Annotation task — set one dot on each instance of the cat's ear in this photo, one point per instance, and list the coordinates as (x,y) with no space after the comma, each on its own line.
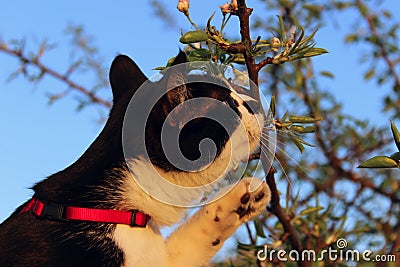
(125,75)
(180,58)
(177,90)
(175,81)
(175,85)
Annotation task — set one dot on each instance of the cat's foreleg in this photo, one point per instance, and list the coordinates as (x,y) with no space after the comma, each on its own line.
(196,241)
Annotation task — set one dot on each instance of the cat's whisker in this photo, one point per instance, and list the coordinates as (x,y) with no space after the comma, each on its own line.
(269,151)
(272,139)
(265,141)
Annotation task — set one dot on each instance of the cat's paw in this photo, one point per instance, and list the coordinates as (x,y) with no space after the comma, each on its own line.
(255,196)
(245,201)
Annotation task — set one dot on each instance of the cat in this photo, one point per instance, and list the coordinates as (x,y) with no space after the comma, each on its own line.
(104,182)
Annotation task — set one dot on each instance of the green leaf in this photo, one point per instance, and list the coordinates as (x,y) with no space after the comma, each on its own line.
(302,130)
(396,134)
(309,129)
(315,52)
(379,162)
(286,124)
(272,106)
(315,9)
(282,26)
(369,74)
(363,9)
(239,59)
(387,14)
(284,116)
(199,54)
(351,38)
(327,74)
(296,128)
(305,143)
(209,20)
(193,37)
(170,61)
(297,142)
(300,38)
(303,119)
(311,210)
(259,228)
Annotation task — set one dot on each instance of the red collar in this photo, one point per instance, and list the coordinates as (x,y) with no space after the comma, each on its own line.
(53,211)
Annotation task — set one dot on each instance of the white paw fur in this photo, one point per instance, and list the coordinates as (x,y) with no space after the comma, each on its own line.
(197,240)
(246,200)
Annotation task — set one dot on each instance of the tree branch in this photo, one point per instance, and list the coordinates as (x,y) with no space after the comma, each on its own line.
(47,70)
(263,63)
(232,48)
(380,44)
(276,209)
(243,14)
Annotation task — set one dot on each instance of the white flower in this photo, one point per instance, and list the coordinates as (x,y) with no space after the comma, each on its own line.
(234,5)
(275,43)
(228,8)
(225,9)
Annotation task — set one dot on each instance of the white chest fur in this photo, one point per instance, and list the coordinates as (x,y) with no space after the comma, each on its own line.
(141,246)
(196,241)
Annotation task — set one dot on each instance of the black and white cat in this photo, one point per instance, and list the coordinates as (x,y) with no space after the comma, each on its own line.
(96,213)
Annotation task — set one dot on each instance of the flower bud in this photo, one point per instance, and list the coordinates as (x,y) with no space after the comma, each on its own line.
(283,59)
(234,5)
(275,42)
(183,6)
(225,9)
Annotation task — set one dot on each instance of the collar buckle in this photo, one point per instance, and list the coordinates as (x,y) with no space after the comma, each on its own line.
(51,211)
(139,219)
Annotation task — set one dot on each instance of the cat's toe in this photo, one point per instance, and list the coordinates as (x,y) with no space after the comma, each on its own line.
(253,202)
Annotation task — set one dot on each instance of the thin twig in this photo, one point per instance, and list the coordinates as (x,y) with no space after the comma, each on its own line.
(277,210)
(383,51)
(252,242)
(243,14)
(63,78)
(253,69)
(263,63)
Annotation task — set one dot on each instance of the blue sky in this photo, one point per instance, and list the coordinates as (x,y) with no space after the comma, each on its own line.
(37,140)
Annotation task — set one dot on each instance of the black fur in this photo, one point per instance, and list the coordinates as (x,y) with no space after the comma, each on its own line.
(94,180)
(195,130)
(89,182)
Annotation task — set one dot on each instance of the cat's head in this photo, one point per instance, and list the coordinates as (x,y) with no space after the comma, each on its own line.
(186,122)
